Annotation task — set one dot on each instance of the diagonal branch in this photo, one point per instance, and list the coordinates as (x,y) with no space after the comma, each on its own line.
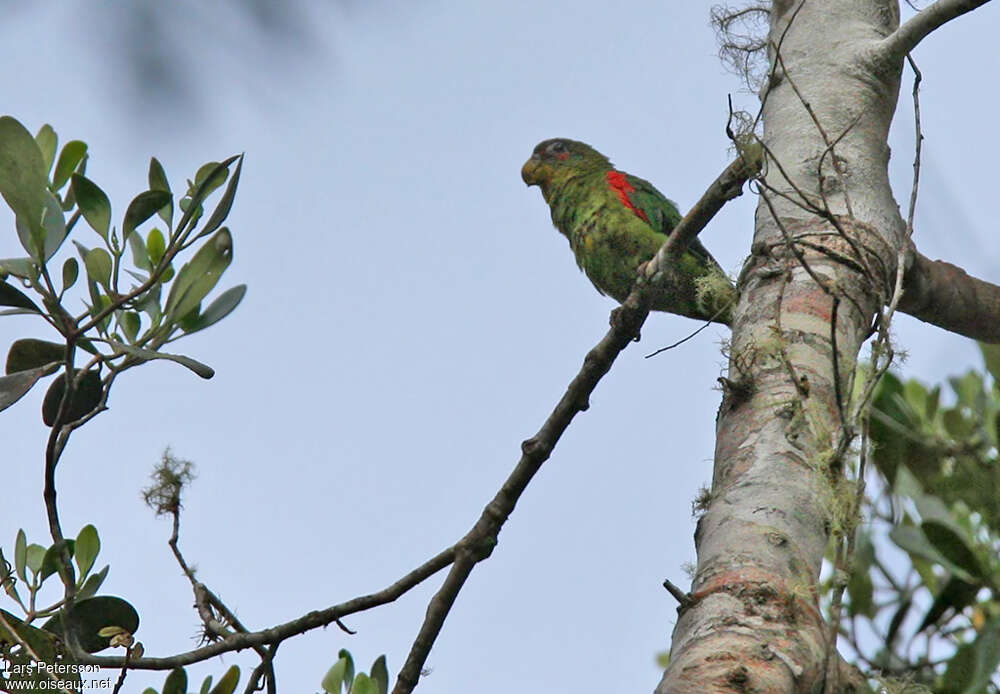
(626,321)
(900,42)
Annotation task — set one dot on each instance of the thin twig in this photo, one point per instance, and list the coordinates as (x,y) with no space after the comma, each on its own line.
(917,78)
(681,341)
(264,669)
(123,673)
(822,131)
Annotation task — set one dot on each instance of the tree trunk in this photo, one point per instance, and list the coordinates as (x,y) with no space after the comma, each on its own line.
(822,263)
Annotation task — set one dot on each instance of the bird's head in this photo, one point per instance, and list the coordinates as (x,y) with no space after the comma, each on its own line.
(557,160)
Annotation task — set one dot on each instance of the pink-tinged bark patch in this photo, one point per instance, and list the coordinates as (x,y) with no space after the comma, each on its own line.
(620,184)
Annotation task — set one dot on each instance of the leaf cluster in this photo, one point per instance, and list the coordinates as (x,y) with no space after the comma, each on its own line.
(136,299)
(339,679)
(938,454)
(24,644)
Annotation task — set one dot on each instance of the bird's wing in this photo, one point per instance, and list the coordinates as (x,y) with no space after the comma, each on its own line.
(650,205)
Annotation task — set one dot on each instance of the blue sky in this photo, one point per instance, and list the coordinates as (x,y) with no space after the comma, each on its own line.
(412,316)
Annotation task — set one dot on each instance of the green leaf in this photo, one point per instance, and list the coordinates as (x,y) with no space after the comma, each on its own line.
(142,207)
(176,682)
(971,669)
(88,617)
(380,675)
(149,303)
(364,685)
(957,424)
(157,176)
(86,397)
(955,595)
(952,544)
(14,386)
(227,683)
(156,246)
(88,544)
(991,359)
(50,562)
(158,181)
(20,553)
(225,204)
(28,353)
(24,268)
(39,641)
(23,177)
(130,323)
(349,672)
(213,174)
(95,294)
(223,305)
(333,680)
(206,685)
(43,237)
(209,177)
(98,264)
(93,203)
(69,159)
(103,302)
(10,296)
(92,584)
(48,142)
(912,540)
(54,222)
(70,271)
(35,556)
(968,388)
(860,588)
(189,321)
(148,354)
(198,276)
(140,255)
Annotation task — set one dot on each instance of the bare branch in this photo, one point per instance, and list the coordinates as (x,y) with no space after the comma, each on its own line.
(919,133)
(280,632)
(626,320)
(944,295)
(683,599)
(900,42)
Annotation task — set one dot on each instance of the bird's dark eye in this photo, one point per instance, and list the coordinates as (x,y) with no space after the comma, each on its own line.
(557,148)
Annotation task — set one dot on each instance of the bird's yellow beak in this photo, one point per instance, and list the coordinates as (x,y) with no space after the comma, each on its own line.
(529,169)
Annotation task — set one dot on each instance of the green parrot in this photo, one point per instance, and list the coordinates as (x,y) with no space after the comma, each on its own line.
(615,222)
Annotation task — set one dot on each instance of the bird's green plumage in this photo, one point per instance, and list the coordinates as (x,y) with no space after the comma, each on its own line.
(615,222)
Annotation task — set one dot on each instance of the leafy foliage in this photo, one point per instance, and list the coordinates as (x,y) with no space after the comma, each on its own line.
(135,301)
(126,320)
(936,615)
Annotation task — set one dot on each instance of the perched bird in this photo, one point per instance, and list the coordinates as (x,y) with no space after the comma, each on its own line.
(615,222)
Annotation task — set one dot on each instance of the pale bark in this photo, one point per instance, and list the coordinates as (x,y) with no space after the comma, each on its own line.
(809,292)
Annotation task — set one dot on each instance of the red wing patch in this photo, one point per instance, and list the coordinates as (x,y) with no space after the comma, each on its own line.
(619,184)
